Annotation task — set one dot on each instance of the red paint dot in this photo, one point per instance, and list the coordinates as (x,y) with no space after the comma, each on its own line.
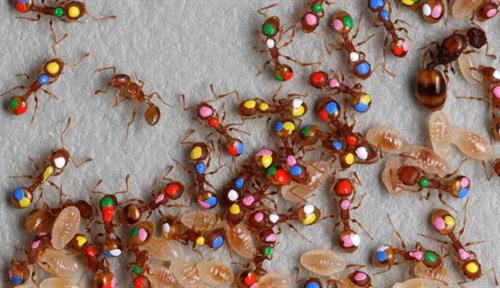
(21,7)
(398,51)
(343,187)
(318,79)
(250,279)
(232,150)
(173,190)
(107,213)
(90,251)
(323,115)
(140,282)
(213,122)
(281,177)
(288,76)
(351,140)
(21,109)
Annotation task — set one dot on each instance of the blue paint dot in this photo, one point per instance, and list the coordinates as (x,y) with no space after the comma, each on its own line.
(381,256)
(239,183)
(107,254)
(337,144)
(19,194)
(211,202)
(463,193)
(240,148)
(377,4)
(363,68)
(278,126)
(385,15)
(361,107)
(218,241)
(16,280)
(200,168)
(332,108)
(296,170)
(312,285)
(43,79)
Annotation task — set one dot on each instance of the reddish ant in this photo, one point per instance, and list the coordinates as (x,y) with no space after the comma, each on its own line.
(108,203)
(267,162)
(271,29)
(23,196)
(360,100)
(139,268)
(487,10)
(344,193)
(444,223)
(431,10)
(310,19)
(126,89)
(206,113)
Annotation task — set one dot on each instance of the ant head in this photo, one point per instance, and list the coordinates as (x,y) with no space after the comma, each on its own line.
(431,259)
(383,256)
(85,209)
(37,221)
(471,268)
(173,190)
(74,10)
(112,248)
(476,37)
(141,233)
(298,172)
(170,226)
(459,186)
(23,6)
(342,22)
(53,68)
(411,175)
(284,128)
(362,103)
(443,222)
(21,198)
(399,47)
(199,152)
(235,147)
(360,278)
(318,79)
(206,200)
(246,278)
(204,111)
(349,241)
(17,105)
(362,69)
(119,80)
(248,107)
(308,214)
(344,187)
(59,159)
(215,239)
(152,114)
(18,272)
(283,72)
(308,135)
(310,20)
(328,110)
(130,214)
(271,26)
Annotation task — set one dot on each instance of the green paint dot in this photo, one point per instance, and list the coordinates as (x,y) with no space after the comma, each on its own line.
(278,77)
(137,270)
(348,22)
(13,104)
(317,8)
(268,29)
(306,131)
(106,201)
(430,256)
(268,251)
(134,232)
(59,12)
(271,170)
(424,183)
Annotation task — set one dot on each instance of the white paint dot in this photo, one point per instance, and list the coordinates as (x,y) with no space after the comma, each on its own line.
(308,209)
(270,43)
(426,10)
(362,153)
(274,218)
(232,195)
(354,56)
(60,162)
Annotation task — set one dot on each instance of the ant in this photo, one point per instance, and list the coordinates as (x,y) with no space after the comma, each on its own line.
(57,161)
(140,267)
(132,212)
(206,113)
(385,256)
(487,10)
(270,30)
(444,223)
(399,46)
(431,10)
(342,23)
(310,19)
(235,188)
(257,107)
(343,191)
(126,89)
(267,162)
(360,100)
(140,234)
(49,73)
(108,203)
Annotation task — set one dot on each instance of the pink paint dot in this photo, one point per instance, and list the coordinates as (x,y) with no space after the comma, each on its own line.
(347,241)
(205,111)
(113,282)
(463,254)
(271,238)
(311,19)
(264,152)
(291,160)
(418,255)
(496,91)
(337,24)
(464,182)
(203,204)
(345,204)
(491,13)
(35,244)
(406,45)
(258,217)
(248,200)
(360,276)
(333,83)
(436,12)
(159,198)
(439,223)
(143,234)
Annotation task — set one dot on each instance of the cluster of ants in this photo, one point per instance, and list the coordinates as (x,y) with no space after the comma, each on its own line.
(247,218)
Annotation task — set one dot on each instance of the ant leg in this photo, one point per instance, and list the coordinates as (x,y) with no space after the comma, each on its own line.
(360,203)
(264,67)
(118,98)
(134,113)
(36,108)
(55,42)
(298,232)
(292,37)
(183,100)
(474,243)
(234,92)
(442,242)
(396,231)
(50,94)
(440,197)
(113,17)
(494,271)
(487,54)
(37,18)
(397,21)
(362,228)
(261,10)
(357,28)
(188,134)
(85,55)
(159,97)
(28,77)
(464,220)
(84,161)
(12,89)
(364,41)
(106,68)
(303,64)
(470,97)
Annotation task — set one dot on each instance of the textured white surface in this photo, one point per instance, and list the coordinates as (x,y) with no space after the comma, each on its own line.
(183,46)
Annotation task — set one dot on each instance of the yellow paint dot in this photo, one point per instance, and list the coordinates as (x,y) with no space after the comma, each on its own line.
(263,106)
(53,68)
(25,202)
(299,111)
(74,12)
(196,153)
(234,209)
(266,160)
(449,221)
(46,174)
(309,219)
(349,158)
(408,2)
(81,240)
(289,126)
(366,99)
(250,104)
(200,240)
(472,267)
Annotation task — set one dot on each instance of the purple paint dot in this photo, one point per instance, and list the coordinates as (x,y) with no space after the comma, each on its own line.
(439,223)
(258,217)
(264,152)
(491,13)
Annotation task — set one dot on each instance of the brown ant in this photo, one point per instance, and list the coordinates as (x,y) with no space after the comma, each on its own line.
(140,267)
(271,29)
(126,89)
(313,12)
(22,197)
(205,113)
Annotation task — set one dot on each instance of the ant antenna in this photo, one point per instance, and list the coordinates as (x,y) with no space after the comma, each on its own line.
(68,123)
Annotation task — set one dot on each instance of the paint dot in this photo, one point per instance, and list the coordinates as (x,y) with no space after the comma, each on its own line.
(205,111)
(250,104)
(311,19)
(53,68)
(218,241)
(74,12)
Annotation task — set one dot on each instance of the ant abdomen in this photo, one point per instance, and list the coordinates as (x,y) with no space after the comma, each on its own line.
(17,105)
(152,115)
